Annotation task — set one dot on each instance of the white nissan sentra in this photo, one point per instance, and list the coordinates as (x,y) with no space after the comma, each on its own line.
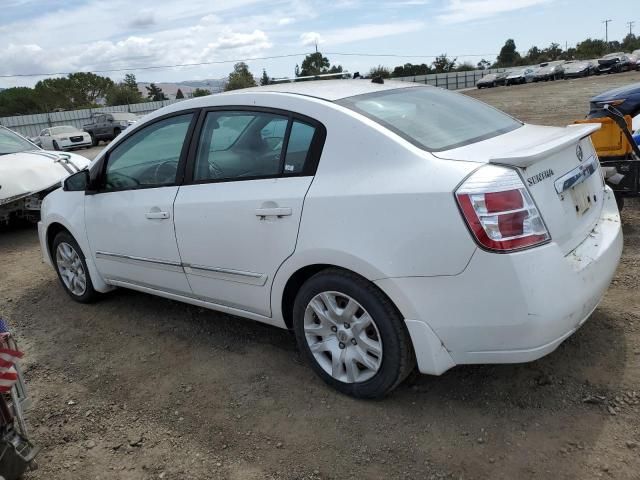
(390,226)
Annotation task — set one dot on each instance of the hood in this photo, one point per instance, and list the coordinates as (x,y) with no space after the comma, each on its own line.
(26,173)
(630,94)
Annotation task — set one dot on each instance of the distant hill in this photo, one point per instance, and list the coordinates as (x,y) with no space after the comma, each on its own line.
(215,85)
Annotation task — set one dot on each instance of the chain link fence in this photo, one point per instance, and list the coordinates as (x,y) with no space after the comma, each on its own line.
(453,80)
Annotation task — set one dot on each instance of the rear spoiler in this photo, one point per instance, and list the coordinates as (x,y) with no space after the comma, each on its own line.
(530,154)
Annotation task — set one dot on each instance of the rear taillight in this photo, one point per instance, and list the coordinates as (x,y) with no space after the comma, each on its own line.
(499,210)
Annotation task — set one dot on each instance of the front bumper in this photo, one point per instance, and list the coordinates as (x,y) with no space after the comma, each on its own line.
(515,307)
(68,144)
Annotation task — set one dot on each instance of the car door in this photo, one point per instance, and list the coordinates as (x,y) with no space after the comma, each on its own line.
(129,219)
(238,213)
(100,126)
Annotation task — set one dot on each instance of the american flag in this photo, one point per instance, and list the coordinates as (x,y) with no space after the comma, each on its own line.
(8,358)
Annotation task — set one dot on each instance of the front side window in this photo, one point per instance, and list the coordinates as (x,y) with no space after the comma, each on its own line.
(432,118)
(149,157)
(240,145)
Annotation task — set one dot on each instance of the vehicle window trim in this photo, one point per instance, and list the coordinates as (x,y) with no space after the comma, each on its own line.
(313,154)
(102,167)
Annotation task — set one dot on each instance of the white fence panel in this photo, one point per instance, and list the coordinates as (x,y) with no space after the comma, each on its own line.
(32,125)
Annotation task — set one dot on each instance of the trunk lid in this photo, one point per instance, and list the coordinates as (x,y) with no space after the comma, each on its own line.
(560,168)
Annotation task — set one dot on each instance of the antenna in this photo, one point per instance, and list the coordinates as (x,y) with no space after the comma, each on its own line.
(631,24)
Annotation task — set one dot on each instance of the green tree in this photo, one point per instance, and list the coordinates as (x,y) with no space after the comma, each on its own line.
(54,94)
(380,71)
(483,64)
(591,48)
(130,81)
(200,92)
(409,70)
(443,64)
(18,101)
(264,79)
(179,94)
(155,93)
(241,77)
(316,64)
(464,67)
(508,56)
(630,43)
(86,88)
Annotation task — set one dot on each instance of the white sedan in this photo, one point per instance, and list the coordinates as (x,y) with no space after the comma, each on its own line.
(65,137)
(390,226)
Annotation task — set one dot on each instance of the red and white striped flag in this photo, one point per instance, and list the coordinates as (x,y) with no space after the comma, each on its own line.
(8,374)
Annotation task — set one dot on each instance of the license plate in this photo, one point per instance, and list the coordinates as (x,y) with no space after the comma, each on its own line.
(581,196)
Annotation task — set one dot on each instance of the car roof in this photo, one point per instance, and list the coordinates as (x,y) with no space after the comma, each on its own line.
(331,90)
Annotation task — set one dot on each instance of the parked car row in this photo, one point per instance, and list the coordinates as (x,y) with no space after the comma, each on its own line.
(561,69)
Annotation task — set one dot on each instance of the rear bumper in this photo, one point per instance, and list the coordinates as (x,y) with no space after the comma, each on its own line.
(516,307)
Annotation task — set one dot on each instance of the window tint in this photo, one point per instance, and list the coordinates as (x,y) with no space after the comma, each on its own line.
(149,157)
(298,147)
(432,118)
(237,145)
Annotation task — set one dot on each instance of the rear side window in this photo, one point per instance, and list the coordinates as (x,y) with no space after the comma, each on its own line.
(298,148)
(432,118)
(247,145)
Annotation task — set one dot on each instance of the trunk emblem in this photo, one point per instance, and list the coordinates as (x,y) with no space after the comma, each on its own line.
(579,152)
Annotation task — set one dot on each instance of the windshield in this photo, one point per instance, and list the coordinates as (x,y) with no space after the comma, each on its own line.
(13,143)
(432,118)
(57,130)
(124,116)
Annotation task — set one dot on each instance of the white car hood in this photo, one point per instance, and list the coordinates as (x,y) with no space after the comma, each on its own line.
(26,173)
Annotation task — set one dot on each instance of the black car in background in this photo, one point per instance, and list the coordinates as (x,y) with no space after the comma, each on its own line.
(614,63)
(550,71)
(579,68)
(493,80)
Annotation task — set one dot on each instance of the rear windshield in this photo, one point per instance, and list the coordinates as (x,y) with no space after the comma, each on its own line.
(432,118)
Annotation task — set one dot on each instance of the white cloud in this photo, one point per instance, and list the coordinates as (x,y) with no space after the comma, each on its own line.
(458,11)
(366,32)
(286,21)
(311,38)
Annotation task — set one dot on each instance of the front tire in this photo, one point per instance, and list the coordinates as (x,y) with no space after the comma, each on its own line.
(56,147)
(351,334)
(71,268)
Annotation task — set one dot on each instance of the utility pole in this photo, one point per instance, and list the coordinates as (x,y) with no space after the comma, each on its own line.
(631,24)
(606,30)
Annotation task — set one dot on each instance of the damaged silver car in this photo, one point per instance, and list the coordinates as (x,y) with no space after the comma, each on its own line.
(28,174)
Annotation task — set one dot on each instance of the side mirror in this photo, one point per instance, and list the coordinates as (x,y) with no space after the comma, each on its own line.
(78,182)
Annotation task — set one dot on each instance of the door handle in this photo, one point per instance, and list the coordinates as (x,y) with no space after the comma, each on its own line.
(273,212)
(157,215)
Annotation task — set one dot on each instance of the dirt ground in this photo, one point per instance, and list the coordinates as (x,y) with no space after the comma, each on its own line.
(138,387)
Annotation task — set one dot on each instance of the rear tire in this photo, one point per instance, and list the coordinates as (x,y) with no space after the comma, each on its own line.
(94,140)
(356,321)
(116,132)
(71,267)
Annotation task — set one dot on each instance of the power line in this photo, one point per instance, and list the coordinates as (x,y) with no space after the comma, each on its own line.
(156,67)
(220,62)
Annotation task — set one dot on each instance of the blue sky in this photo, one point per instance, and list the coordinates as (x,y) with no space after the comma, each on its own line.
(80,35)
